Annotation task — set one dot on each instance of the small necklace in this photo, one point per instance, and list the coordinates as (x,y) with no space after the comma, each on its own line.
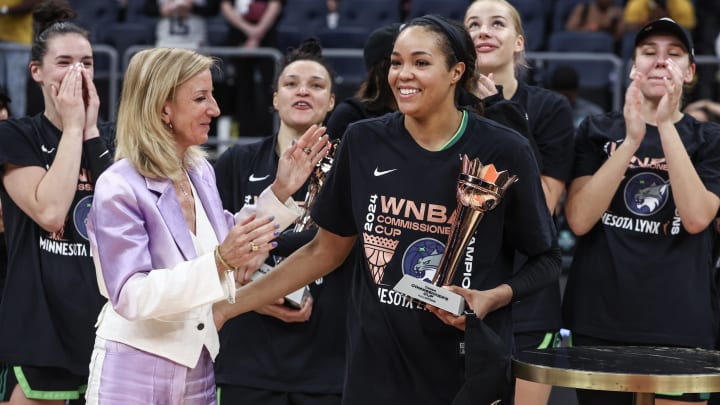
(182,189)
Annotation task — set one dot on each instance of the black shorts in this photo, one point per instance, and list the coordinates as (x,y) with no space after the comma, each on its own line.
(534,340)
(607,397)
(234,394)
(44,383)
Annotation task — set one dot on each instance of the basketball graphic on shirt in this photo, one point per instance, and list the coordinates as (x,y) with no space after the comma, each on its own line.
(422,257)
(646,193)
(378,251)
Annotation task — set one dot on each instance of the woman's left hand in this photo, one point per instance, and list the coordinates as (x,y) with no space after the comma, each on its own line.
(298,161)
(92,105)
(481,302)
(669,103)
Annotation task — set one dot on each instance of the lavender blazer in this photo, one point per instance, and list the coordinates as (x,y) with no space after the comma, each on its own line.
(160,290)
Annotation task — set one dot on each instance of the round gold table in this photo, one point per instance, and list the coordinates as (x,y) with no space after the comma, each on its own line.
(641,370)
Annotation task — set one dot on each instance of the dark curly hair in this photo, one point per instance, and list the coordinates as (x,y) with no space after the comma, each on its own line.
(311,50)
(50,18)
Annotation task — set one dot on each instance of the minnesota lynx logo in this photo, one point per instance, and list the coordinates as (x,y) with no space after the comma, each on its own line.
(80,213)
(421,259)
(646,194)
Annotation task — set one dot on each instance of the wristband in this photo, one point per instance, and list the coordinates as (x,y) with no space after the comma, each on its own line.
(98,156)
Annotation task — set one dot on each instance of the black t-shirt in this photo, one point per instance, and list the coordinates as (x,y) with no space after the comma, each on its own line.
(51,298)
(398,199)
(347,112)
(263,352)
(637,276)
(551,127)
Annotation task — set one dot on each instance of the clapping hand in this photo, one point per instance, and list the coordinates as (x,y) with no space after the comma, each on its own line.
(298,161)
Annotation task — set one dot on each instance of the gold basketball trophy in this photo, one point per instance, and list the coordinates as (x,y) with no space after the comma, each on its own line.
(316,181)
(305,222)
(479,190)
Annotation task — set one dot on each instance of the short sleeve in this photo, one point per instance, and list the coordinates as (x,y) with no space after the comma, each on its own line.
(332,209)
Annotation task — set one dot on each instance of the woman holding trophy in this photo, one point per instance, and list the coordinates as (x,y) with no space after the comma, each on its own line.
(284,351)
(391,196)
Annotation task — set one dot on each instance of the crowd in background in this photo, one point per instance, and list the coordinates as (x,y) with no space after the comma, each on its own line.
(254,23)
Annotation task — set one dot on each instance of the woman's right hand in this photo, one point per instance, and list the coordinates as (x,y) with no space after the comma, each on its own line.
(247,245)
(634,121)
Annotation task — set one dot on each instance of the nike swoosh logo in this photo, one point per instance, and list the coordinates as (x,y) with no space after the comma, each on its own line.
(254,179)
(44,149)
(379,172)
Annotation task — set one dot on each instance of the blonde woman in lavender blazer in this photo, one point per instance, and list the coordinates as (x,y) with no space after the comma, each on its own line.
(164,249)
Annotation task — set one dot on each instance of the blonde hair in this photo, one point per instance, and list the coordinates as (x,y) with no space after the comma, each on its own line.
(516,20)
(151,79)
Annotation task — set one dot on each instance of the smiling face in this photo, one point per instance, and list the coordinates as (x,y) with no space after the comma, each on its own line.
(659,57)
(63,51)
(304,96)
(419,76)
(191,111)
(495,31)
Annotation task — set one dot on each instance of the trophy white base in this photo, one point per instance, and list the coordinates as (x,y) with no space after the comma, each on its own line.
(431,294)
(295,299)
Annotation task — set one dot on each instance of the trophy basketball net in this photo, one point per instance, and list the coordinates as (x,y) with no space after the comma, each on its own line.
(479,189)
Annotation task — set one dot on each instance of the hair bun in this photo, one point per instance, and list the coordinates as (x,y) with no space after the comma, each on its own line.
(49,12)
(310,46)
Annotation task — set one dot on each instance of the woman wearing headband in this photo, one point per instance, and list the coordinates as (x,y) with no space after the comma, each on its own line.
(391,196)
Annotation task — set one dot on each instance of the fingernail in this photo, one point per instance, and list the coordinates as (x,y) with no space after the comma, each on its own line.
(293,142)
(277,225)
(276,233)
(274,244)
